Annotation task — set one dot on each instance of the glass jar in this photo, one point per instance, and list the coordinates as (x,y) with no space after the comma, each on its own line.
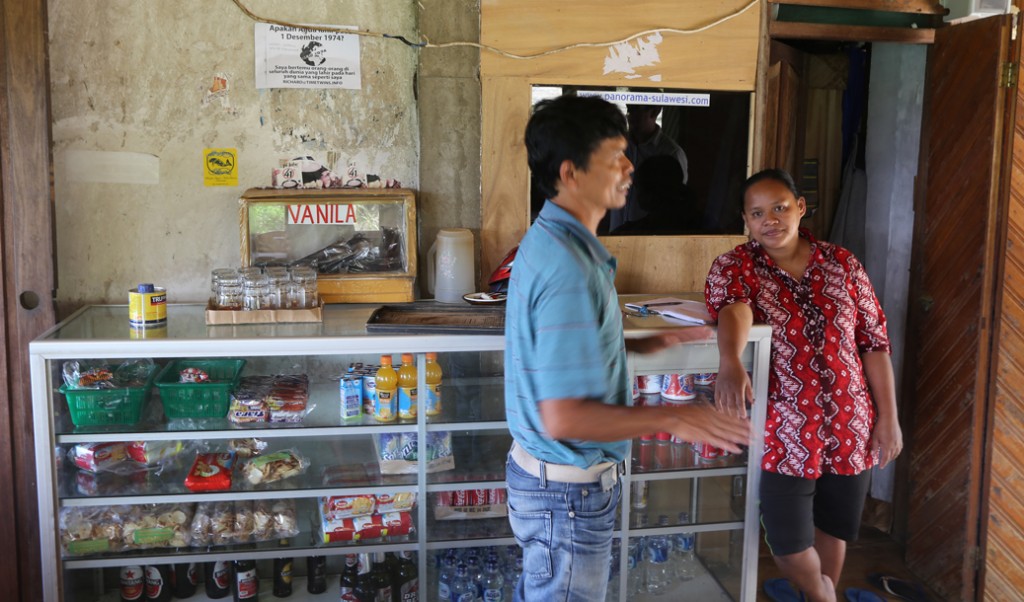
(303,289)
(278,280)
(227,289)
(254,292)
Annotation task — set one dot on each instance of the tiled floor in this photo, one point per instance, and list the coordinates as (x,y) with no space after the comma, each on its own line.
(874,552)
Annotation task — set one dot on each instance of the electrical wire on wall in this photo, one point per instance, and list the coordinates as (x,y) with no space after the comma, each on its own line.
(427,44)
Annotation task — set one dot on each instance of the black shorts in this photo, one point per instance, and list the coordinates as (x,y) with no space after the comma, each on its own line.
(792,507)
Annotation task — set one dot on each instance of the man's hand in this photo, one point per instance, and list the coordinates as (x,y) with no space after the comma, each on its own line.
(669,338)
(702,422)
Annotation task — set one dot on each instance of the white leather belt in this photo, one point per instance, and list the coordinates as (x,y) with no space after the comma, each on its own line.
(606,473)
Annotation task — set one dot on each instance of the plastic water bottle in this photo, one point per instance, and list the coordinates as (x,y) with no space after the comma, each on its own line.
(684,558)
(493,583)
(659,571)
(635,581)
(462,588)
(513,570)
(445,579)
(475,570)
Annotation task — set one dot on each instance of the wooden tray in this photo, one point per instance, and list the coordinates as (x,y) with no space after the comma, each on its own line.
(431,317)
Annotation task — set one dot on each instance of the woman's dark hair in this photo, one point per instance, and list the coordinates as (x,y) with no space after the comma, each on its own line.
(568,127)
(776,174)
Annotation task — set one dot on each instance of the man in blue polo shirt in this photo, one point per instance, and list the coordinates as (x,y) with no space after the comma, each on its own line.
(567,385)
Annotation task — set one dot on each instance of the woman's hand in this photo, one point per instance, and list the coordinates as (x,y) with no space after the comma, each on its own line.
(732,388)
(886,440)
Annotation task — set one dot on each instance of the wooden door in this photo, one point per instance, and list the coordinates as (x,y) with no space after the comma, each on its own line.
(952,302)
(1002,520)
(26,287)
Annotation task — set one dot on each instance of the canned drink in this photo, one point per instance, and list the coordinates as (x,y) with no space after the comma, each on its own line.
(705,379)
(444,498)
(460,498)
(636,390)
(389,446)
(649,383)
(706,451)
(678,387)
(147,306)
(351,391)
(497,496)
(439,445)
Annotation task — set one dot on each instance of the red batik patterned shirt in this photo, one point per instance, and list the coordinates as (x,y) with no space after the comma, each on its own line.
(820,411)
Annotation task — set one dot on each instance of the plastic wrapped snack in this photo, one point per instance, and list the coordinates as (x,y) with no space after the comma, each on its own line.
(366,527)
(222,523)
(248,447)
(285,522)
(398,502)
(245,521)
(347,506)
(202,521)
(89,530)
(211,472)
(96,457)
(153,452)
(103,374)
(288,397)
(274,467)
(157,526)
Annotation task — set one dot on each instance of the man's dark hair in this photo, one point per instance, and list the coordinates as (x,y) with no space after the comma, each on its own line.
(568,127)
(779,175)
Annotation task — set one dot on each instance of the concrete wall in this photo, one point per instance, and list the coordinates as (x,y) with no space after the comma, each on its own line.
(129,84)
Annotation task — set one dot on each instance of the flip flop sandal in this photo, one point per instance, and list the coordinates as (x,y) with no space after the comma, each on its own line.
(900,588)
(854,594)
(780,590)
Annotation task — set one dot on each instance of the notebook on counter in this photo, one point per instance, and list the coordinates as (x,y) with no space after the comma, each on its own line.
(691,312)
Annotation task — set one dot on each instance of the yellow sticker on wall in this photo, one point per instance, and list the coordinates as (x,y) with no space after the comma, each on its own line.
(220,167)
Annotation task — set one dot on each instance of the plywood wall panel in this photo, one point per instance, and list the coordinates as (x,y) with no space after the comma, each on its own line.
(666,264)
(721,58)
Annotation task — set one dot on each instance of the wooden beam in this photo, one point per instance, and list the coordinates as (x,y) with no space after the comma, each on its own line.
(849,33)
(921,7)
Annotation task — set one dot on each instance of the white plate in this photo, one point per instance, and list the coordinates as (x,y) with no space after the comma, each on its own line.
(484,298)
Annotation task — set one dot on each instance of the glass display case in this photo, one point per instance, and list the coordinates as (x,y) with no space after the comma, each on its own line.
(118,491)
(361,242)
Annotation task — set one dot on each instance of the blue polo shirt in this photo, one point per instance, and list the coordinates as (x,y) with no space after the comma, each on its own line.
(563,335)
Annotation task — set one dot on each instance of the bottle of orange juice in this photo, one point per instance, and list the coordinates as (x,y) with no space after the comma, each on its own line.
(385,405)
(407,378)
(432,396)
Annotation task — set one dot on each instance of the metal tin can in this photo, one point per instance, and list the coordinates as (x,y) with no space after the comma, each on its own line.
(497,496)
(678,387)
(649,383)
(152,332)
(706,452)
(147,306)
(704,379)
(636,390)
(410,447)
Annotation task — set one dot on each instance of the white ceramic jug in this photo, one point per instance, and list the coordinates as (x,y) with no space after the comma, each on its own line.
(451,269)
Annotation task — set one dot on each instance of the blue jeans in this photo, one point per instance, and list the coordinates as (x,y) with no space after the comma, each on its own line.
(565,530)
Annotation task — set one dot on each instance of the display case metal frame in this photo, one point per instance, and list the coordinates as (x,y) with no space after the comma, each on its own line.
(104,332)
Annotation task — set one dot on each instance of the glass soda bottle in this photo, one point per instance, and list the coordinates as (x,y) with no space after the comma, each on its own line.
(348,578)
(407,394)
(381,578)
(659,571)
(385,405)
(432,403)
(407,581)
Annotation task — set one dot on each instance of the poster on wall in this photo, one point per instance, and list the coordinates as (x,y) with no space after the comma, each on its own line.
(220,167)
(288,57)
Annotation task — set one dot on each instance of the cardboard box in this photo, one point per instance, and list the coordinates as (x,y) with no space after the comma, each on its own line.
(264,316)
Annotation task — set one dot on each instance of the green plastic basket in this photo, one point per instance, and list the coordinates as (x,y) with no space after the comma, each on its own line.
(199,400)
(96,407)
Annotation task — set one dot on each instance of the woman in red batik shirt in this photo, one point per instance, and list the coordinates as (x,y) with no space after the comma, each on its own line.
(831,395)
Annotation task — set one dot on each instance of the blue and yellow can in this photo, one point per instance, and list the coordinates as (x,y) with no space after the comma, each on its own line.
(147,306)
